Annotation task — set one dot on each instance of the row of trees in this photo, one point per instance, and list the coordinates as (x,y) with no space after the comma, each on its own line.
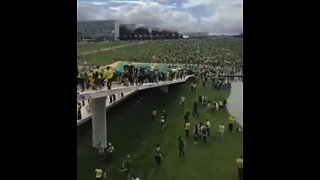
(143,33)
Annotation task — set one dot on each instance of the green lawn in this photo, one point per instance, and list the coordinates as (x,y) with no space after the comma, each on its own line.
(98,45)
(143,51)
(131,131)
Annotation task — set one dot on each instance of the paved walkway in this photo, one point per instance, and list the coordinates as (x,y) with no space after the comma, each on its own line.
(86,115)
(127,91)
(235,101)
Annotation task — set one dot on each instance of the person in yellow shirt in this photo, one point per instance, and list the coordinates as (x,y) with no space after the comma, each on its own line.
(98,173)
(109,76)
(240,167)
(89,78)
(231,122)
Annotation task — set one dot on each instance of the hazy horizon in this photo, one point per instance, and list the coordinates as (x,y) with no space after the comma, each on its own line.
(217,17)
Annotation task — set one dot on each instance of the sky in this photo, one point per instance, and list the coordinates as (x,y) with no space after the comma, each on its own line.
(219,17)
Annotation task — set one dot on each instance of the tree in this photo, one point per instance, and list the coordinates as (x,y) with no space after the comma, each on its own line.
(142,33)
(175,35)
(166,34)
(124,32)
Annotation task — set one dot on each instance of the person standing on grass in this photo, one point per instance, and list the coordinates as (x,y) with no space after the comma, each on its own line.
(163,123)
(134,177)
(110,150)
(182,101)
(200,99)
(204,100)
(221,129)
(164,115)
(204,132)
(186,128)
(201,130)
(212,106)
(99,173)
(239,161)
(181,147)
(231,122)
(217,105)
(220,104)
(196,133)
(208,126)
(195,109)
(158,155)
(101,151)
(224,103)
(127,166)
(154,115)
(194,87)
(186,115)
(209,105)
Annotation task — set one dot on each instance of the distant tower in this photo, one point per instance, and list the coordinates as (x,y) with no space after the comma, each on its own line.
(116,31)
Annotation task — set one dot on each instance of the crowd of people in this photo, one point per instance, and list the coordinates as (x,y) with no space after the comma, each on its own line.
(223,55)
(96,77)
(200,133)
(205,57)
(205,60)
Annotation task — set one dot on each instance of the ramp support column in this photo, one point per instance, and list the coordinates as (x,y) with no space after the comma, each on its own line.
(99,122)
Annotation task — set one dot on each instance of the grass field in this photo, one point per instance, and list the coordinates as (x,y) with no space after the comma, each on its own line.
(85,47)
(131,131)
(107,57)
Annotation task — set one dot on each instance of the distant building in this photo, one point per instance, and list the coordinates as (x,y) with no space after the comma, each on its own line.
(79,36)
(98,30)
(185,37)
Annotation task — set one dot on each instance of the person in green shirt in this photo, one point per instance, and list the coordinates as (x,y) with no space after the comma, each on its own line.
(83,79)
(127,166)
